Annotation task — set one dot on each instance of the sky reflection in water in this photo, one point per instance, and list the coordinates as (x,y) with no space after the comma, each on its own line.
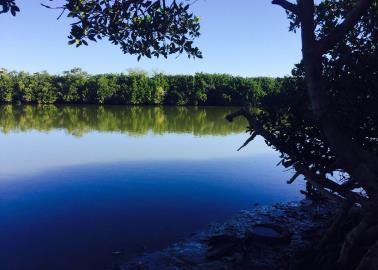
(67,201)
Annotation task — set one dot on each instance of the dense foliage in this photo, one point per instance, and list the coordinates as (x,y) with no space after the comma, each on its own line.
(134,88)
(350,73)
(142,27)
(336,152)
(323,120)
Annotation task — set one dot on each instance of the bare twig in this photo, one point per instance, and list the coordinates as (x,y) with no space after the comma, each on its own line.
(292,179)
(251,138)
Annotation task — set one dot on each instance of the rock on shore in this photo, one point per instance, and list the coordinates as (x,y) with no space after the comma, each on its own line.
(264,238)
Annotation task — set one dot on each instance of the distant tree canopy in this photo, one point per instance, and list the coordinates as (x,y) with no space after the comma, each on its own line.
(134,88)
(140,27)
(323,120)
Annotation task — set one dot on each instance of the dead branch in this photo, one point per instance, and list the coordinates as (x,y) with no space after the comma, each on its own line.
(251,138)
(286,5)
(292,179)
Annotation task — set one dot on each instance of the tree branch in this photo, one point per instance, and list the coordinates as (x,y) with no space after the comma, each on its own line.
(358,162)
(342,29)
(286,5)
(251,138)
(292,179)
(258,128)
(321,183)
(324,183)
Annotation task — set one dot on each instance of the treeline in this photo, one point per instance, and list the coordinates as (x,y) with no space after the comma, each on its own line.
(133,120)
(134,88)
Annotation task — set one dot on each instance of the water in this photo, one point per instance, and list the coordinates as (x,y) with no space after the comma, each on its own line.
(80,182)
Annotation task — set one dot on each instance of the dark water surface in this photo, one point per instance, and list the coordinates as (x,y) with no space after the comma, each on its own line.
(77,183)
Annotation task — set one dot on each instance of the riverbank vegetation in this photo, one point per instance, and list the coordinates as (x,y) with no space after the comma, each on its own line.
(324,124)
(134,88)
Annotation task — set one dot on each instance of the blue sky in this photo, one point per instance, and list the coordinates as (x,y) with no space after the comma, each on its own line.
(240,37)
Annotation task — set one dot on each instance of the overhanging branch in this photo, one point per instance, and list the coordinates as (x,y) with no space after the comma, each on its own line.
(257,127)
(251,138)
(292,179)
(286,5)
(325,186)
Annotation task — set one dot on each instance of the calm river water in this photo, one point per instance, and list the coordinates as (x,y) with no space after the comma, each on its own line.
(80,182)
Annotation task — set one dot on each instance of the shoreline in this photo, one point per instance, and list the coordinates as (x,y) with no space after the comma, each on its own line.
(264,237)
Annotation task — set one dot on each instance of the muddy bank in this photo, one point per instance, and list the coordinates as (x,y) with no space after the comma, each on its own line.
(264,238)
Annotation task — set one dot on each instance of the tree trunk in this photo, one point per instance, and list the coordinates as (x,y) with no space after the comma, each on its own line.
(357,162)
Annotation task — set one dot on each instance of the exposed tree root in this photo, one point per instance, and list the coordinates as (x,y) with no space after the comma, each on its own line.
(329,234)
(370,260)
(350,243)
(351,240)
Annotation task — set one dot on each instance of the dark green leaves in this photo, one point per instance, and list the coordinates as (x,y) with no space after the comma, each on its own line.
(140,27)
(135,88)
(9,6)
